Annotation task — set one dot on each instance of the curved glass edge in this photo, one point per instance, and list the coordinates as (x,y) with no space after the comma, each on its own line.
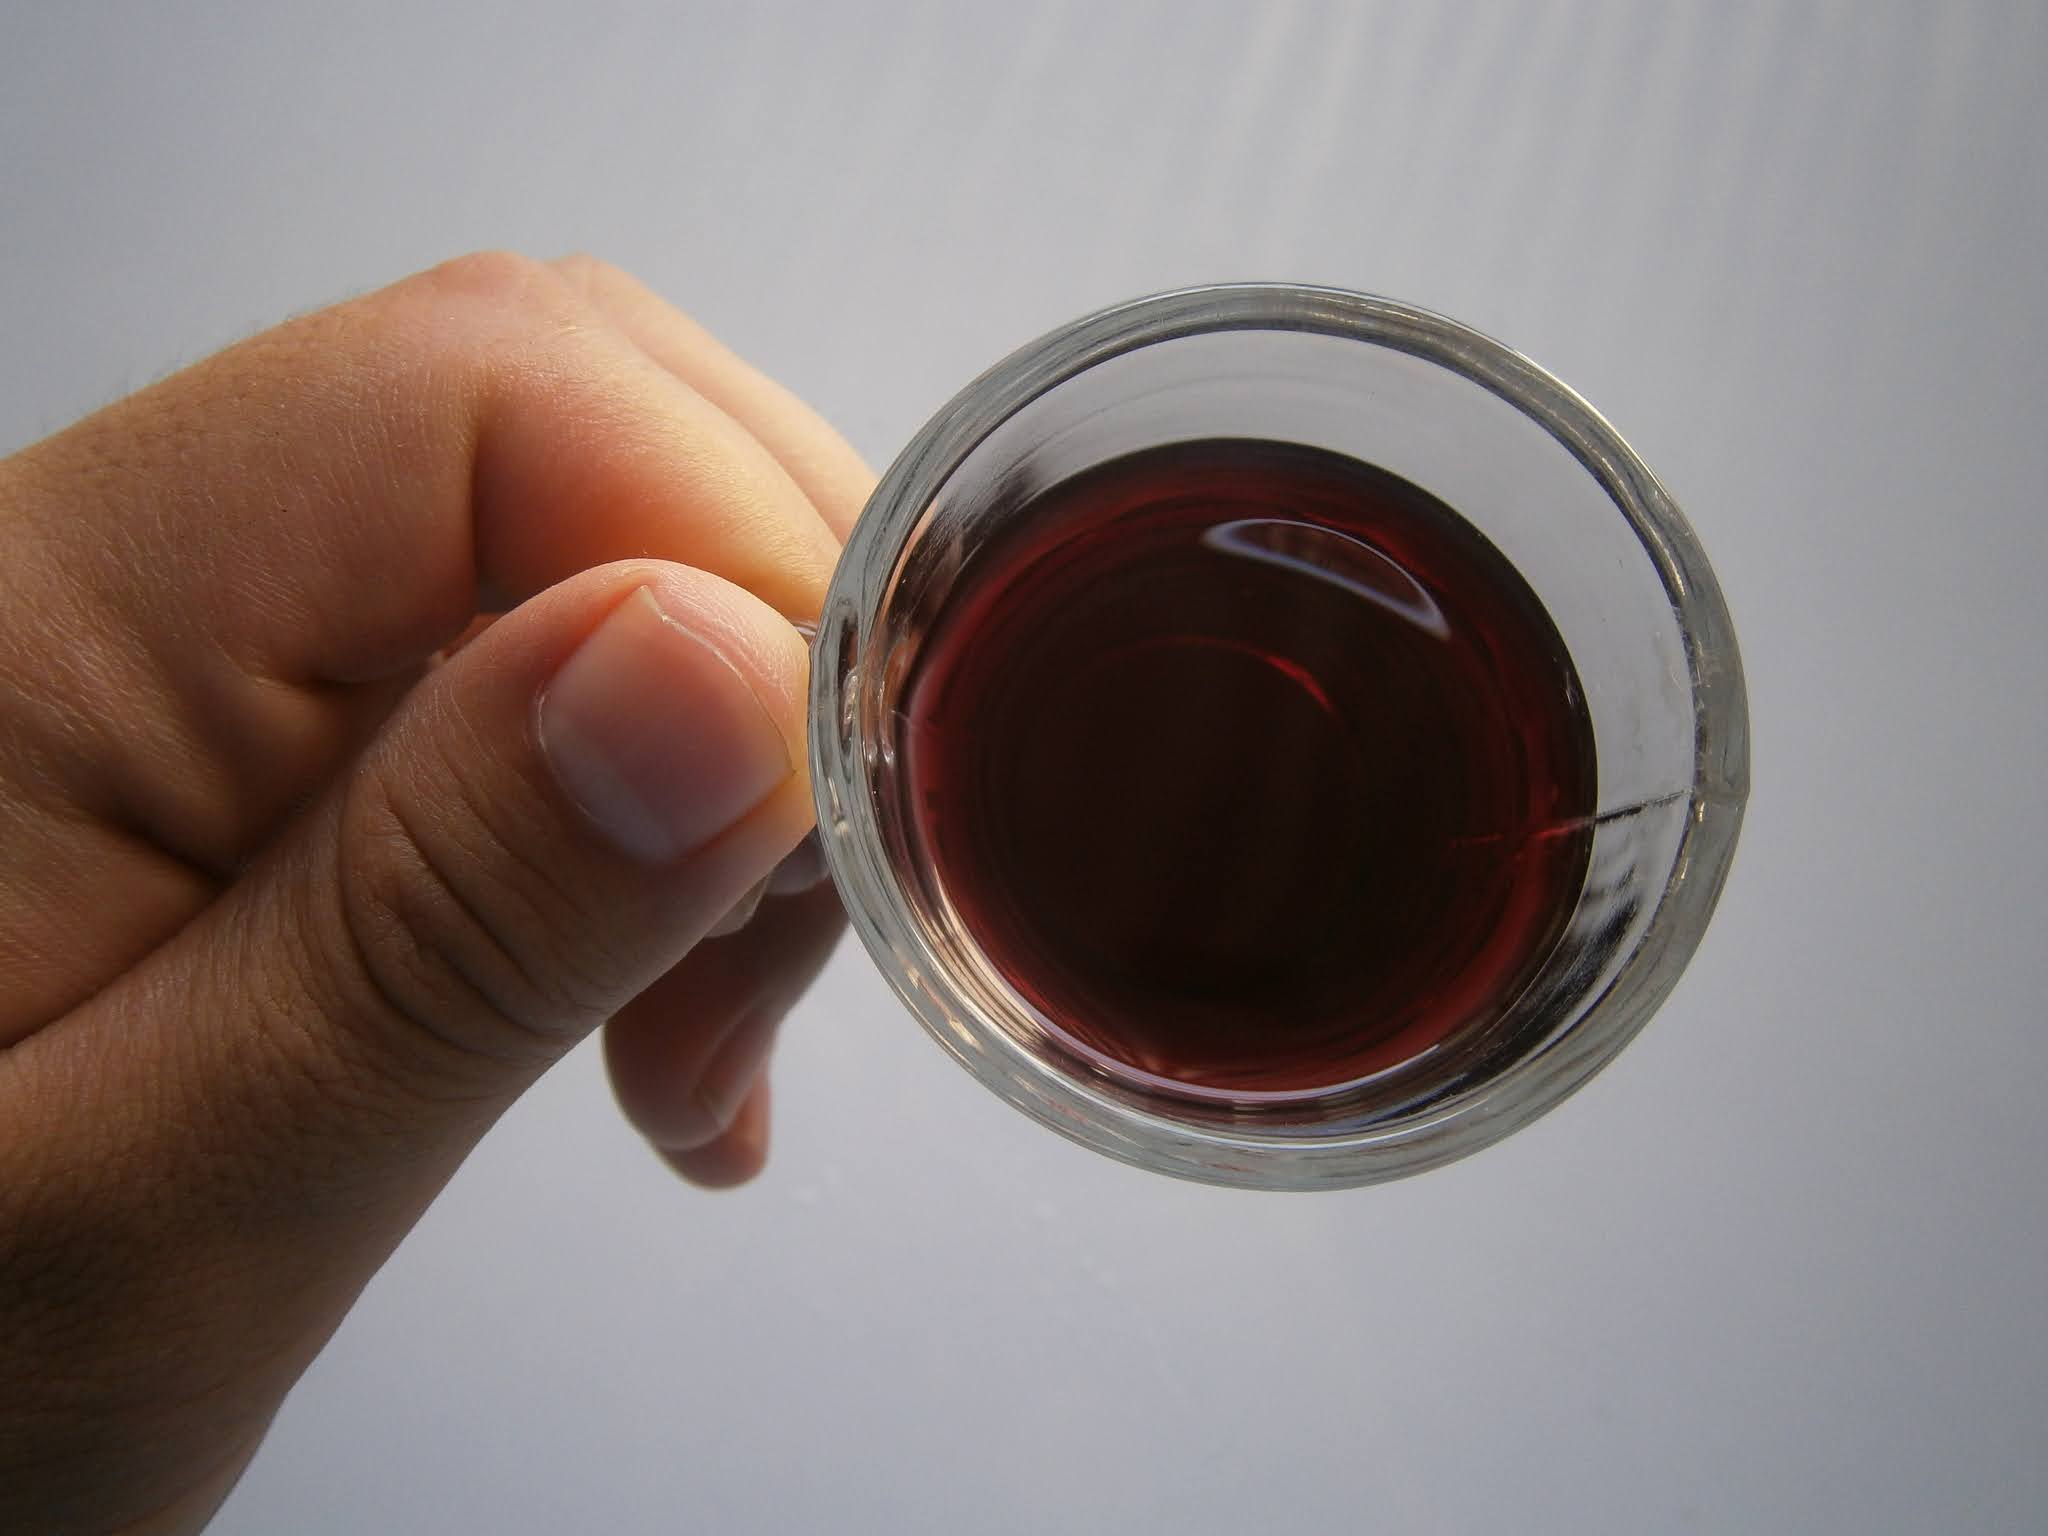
(1220,1155)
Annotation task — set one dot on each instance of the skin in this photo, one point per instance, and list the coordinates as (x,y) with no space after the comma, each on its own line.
(293,898)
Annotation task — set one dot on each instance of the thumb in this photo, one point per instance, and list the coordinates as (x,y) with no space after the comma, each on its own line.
(566,807)
(251,1118)
(560,812)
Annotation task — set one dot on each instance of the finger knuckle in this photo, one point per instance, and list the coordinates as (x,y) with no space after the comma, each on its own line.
(498,277)
(587,273)
(474,312)
(460,935)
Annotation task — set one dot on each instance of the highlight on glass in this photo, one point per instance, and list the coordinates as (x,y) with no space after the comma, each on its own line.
(1277,736)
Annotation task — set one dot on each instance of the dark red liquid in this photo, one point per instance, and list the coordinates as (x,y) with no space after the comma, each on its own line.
(1251,766)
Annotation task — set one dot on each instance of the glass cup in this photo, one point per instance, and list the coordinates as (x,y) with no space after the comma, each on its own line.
(1520,457)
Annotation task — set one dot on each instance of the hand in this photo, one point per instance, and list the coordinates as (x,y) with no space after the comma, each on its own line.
(385,704)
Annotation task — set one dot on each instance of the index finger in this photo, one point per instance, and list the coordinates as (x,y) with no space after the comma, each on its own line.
(837,480)
(325,502)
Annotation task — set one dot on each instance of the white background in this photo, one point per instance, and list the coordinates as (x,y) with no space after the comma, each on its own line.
(1781,1268)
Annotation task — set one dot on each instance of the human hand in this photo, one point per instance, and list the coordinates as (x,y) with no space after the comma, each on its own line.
(307,868)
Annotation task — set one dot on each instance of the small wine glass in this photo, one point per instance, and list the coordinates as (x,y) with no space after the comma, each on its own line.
(1517,454)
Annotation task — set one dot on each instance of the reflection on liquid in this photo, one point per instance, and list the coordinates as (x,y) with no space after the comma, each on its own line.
(1307,549)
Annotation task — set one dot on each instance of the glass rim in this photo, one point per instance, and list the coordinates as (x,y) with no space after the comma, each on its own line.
(1248,1155)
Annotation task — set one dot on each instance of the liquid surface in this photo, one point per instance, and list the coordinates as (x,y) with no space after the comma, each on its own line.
(1252,767)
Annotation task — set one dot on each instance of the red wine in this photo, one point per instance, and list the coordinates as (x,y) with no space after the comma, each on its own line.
(1250,766)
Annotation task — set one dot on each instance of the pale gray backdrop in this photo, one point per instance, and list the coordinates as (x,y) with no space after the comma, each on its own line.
(1780,1269)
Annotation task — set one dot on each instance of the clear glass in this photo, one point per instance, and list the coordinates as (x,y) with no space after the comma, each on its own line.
(1523,459)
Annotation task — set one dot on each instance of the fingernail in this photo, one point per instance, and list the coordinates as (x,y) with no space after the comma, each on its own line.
(735,1157)
(800,870)
(656,737)
(730,1075)
(741,914)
